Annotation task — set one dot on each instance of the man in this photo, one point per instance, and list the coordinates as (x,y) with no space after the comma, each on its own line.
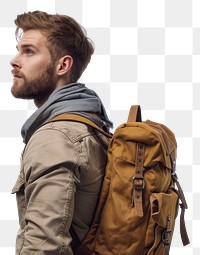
(63,162)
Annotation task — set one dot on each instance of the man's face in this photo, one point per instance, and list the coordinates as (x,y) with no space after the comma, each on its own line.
(33,71)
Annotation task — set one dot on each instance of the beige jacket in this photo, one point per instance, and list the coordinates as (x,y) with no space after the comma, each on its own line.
(61,173)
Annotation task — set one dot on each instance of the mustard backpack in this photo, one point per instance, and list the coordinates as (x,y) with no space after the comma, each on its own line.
(140,195)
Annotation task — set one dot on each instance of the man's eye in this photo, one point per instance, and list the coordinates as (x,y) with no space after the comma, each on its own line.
(29,52)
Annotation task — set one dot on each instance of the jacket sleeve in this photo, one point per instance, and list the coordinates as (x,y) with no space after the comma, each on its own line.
(51,172)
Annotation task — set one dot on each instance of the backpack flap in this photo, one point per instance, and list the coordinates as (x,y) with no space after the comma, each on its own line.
(157,150)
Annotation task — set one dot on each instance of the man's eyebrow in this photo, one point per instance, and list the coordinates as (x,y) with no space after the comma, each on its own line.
(24,46)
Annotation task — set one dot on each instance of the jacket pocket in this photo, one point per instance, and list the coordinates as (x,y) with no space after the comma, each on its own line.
(18,189)
(164,209)
(18,185)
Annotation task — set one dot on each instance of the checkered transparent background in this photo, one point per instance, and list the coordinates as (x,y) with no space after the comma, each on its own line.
(147,53)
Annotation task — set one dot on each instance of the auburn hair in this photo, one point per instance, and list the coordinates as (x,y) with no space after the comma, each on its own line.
(65,36)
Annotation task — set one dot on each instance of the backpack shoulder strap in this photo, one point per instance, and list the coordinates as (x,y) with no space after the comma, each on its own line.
(78,118)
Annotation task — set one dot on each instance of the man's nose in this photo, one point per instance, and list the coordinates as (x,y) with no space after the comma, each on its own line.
(15,62)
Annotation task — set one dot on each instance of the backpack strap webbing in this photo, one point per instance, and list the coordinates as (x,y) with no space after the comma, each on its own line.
(138,180)
(77,246)
(78,118)
(183,206)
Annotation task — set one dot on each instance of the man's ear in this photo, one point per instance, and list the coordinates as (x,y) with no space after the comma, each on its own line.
(64,65)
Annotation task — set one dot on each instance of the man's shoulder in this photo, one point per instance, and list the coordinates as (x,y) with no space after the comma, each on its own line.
(68,126)
(72,129)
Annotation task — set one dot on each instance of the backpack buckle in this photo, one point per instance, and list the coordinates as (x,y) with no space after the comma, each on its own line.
(138,183)
(166,235)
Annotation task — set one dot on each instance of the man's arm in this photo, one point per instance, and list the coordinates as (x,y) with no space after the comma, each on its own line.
(50,171)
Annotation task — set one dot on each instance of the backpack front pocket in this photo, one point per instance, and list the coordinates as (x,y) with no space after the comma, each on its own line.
(164,209)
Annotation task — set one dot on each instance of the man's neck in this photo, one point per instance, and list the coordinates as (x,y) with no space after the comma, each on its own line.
(40,101)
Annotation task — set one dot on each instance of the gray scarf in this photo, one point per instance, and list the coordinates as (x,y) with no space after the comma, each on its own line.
(72,98)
